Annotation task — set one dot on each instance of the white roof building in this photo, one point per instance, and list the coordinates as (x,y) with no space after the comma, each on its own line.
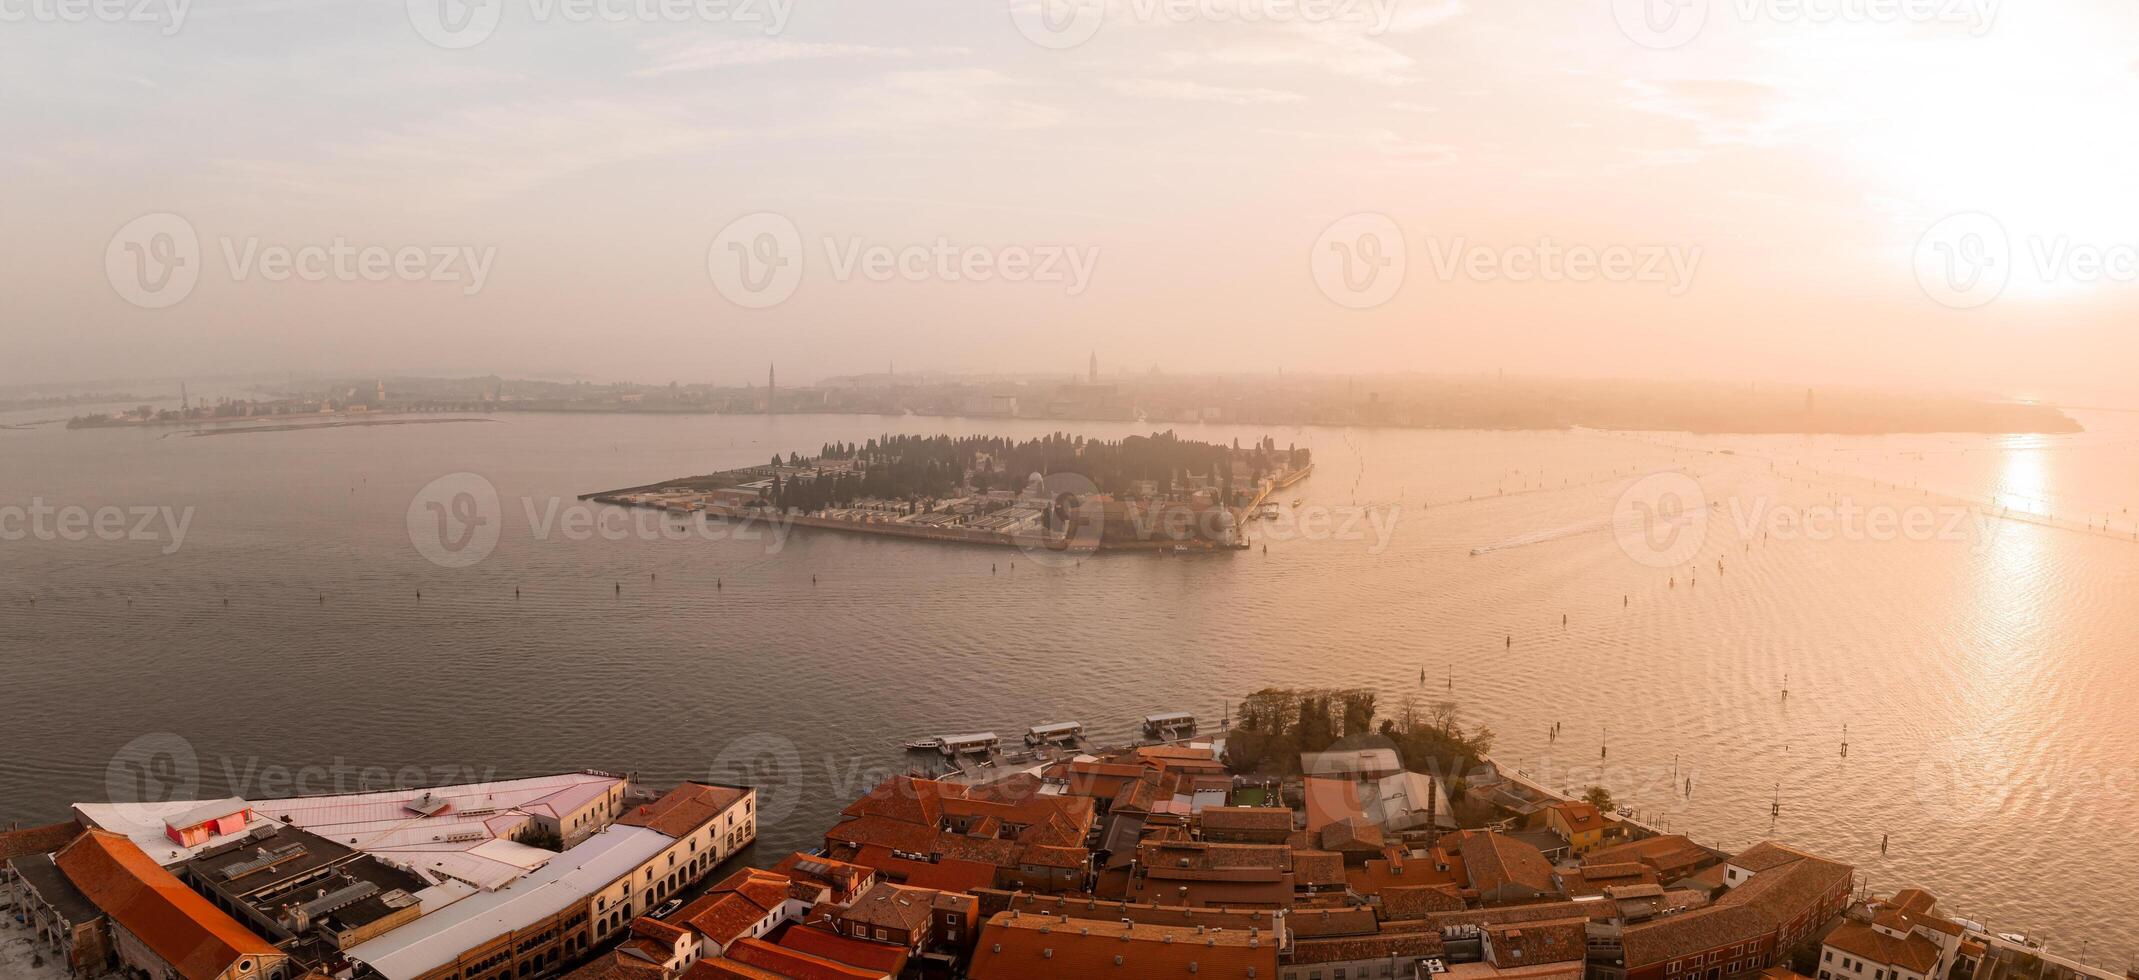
(572,877)
(1373,763)
(450,832)
(462,832)
(148,824)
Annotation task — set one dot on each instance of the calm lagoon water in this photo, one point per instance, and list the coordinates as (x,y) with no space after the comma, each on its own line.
(1977,640)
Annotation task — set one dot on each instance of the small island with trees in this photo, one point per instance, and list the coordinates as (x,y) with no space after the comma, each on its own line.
(1057,492)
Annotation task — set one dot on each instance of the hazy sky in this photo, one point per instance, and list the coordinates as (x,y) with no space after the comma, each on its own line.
(1718,188)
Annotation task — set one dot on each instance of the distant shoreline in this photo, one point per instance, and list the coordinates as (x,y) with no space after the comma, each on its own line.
(341,424)
(2050,421)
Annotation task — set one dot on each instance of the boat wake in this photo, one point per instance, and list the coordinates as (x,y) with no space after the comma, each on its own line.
(1549,534)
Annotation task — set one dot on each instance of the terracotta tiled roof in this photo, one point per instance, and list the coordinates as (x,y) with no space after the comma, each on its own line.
(175,922)
(918,839)
(901,798)
(1502,915)
(1236,819)
(1199,856)
(893,906)
(1913,901)
(1911,909)
(1137,795)
(1786,891)
(1579,815)
(1054,857)
(684,809)
(843,878)
(724,969)
(1353,834)
(1024,947)
(739,902)
(883,958)
(1357,920)
(1060,829)
(1595,879)
(1495,861)
(1766,855)
(914,838)
(1612,874)
(1669,854)
(655,929)
(949,874)
(618,966)
(1529,943)
(1419,901)
(1786,885)
(1175,755)
(1380,945)
(1915,954)
(794,963)
(37,840)
(1314,868)
(1122,770)
(1023,812)
(1086,907)
(1651,943)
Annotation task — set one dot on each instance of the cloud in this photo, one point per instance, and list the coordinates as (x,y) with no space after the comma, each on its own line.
(485,152)
(1721,111)
(1344,54)
(1398,146)
(679,55)
(1378,145)
(1182,90)
(913,102)
(1413,16)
